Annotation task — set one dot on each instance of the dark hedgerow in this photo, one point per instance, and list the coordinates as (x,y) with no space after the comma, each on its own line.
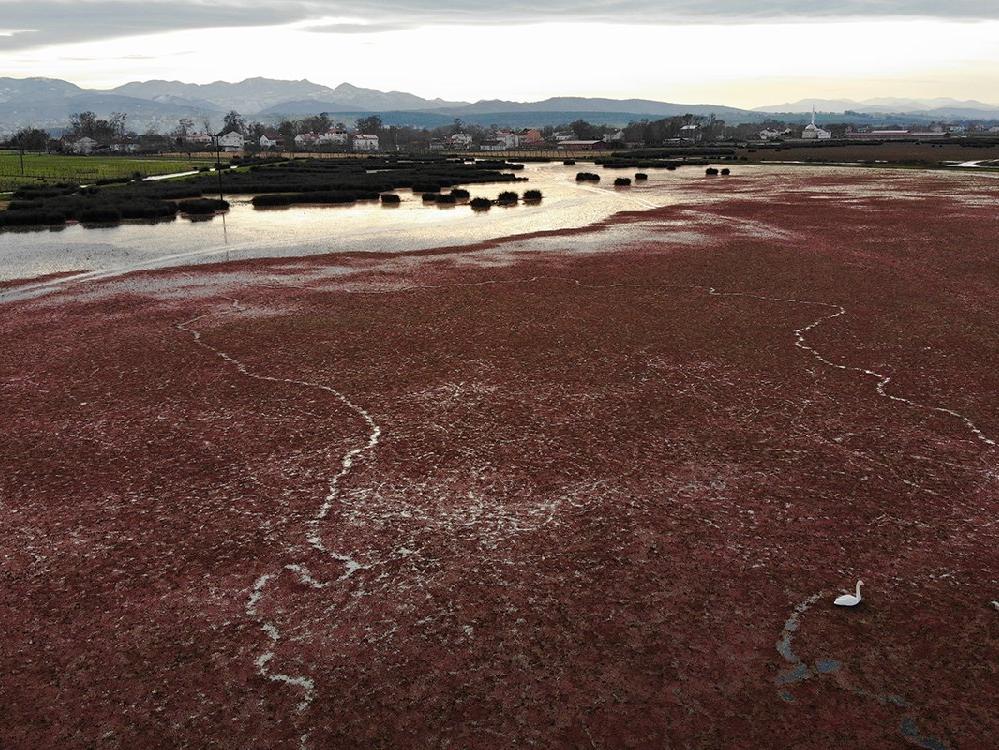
(481,204)
(39,218)
(710,171)
(461,194)
(532,196)
(23,205)
(507,198)
(587,177)
(391,199)
(203,206)
(622,182)
(324,197)
(641,177)
(294,181)
(569,162)
(446,200)
(99,216)
(430,197)
(148,210)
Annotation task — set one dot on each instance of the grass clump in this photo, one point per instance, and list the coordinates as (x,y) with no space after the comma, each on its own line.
(99,216)
(711,171)
(641,177)
(203,206)
(622,182)
(390,199)
(587,177)
(507,198)
(28,218)
(481,204)
(532,196)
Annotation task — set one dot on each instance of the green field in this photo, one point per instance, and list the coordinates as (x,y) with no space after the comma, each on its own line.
(44,168)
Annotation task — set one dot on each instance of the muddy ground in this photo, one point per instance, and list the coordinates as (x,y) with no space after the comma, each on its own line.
(890,152)
(584,490)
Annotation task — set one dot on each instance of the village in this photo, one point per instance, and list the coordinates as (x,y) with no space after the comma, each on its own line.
(319,134)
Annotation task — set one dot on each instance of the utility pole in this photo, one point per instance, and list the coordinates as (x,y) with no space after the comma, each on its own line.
(218,171)
(218,162)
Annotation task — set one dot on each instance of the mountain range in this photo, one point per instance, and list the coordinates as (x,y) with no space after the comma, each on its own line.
(941,107)
(49,102)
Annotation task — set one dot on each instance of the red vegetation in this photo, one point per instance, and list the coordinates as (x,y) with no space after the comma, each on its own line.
(597,494)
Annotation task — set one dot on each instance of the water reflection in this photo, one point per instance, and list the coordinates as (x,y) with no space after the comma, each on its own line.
(247,232)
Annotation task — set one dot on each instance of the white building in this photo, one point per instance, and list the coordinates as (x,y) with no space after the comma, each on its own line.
(814,132)
(305,140)
(690,133)
(85,145)
(232,141)
(266,142)
(508,138)
(610,137)
(768,135)
(559,137)
(333,138)
(365,142)
(460,140)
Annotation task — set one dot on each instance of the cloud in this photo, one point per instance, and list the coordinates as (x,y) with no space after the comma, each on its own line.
(48,22)
(355,28)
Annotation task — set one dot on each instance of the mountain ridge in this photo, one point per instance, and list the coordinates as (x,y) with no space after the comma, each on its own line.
(49,102)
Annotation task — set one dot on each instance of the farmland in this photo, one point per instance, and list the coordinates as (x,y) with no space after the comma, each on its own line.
(40,169)
(582,488)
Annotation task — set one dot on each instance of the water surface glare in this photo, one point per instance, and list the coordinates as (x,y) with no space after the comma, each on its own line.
(308,230)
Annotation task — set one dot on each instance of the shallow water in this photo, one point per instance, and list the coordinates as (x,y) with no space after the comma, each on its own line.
(246,232)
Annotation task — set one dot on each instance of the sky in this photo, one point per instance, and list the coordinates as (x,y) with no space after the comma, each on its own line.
(729,52)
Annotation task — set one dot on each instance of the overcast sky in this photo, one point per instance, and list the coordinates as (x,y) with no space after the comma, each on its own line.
(719,51)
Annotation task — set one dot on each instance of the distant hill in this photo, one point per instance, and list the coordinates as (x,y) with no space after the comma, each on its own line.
(640,107)
(255,95)
(49,102)
(942,107)
(437,118)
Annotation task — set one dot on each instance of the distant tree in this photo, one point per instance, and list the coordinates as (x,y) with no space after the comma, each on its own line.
(185,126)
(288,131)
(583,130)
(30,139)
(254,130)
(87,124)
(82,124)
(370,125)
(317,124)
(117,124)
(234,123)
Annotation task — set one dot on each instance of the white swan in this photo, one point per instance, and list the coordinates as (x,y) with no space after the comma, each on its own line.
(849,600)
